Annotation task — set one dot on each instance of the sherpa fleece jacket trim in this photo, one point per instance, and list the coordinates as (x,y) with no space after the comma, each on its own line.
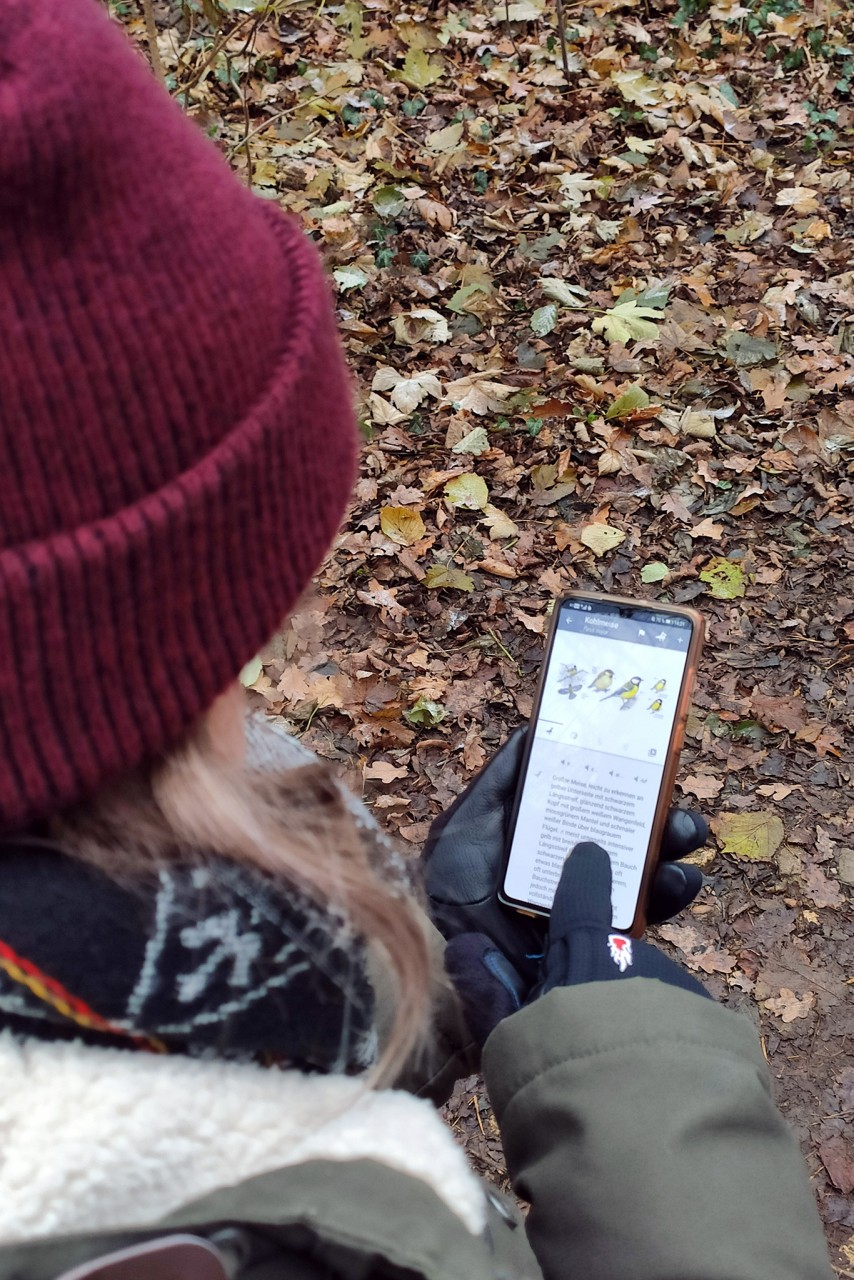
(94,1139)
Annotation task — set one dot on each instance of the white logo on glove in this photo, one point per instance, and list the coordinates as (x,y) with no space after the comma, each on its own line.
(620,950)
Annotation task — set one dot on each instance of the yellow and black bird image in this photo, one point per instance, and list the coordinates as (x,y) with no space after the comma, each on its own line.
(655,706)
(570,680)
(659,685)
(627,692)
(603,681)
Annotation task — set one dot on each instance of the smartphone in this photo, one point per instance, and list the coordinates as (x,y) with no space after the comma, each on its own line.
(603,747)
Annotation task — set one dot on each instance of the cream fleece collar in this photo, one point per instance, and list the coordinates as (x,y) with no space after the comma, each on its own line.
(95,1139)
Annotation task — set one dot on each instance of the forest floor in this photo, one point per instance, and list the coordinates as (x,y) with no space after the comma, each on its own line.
(601,322)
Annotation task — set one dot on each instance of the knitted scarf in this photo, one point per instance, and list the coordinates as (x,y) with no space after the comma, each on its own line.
(214,959)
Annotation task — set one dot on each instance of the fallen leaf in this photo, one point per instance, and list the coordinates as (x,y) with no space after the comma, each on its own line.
(388,201)
(499,524)
(402,525)
(837,1156)
(702,785)
(467,491)
(535,624)
(440,576)
(697,953)
(707,529)
(564,293)
(349,278)
(756,836)
(443,140)
(725,579)
(382,771)
(425,712)
(655,571)
(638,88)
(544,320)
(421,325)
(788,1007)
(601,538)
(634,397)
(801,199)
(475,442)
(627,322)
(407,393)
(822,891)
(251,673)
(477,394)
(382,598)
(420,70)
(787,713)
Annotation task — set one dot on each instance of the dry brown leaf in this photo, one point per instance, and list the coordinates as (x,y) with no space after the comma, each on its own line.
(383,771)
(537,625)
(787,1007)
(706,529)
(787,713)
(837,1156)
(822,891)
(698,954)
(702,785)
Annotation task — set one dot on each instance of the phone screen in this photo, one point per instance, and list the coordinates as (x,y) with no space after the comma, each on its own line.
(610,696)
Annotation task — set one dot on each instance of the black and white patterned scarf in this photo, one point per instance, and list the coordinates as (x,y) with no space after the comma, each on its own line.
(214,960)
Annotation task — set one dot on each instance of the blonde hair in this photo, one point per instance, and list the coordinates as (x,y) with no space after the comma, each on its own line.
(296,827)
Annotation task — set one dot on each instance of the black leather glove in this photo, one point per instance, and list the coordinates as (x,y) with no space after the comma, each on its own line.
(580,946)
(464,856)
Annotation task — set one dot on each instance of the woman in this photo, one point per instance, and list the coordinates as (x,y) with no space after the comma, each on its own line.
(212,965)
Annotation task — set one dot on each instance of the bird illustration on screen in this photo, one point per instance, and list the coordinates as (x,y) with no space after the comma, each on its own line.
(603,681)
(626,692)
(655,706)
(659,685)
(569,681)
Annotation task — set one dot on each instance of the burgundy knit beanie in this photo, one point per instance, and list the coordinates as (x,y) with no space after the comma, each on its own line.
(176,435)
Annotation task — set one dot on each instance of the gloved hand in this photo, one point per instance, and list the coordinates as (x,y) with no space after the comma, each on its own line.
(580,946)
(464,855)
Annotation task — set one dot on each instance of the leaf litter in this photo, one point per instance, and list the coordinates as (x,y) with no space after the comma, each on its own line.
(601,322)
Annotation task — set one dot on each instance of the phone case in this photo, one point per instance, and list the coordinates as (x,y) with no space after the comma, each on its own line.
(671,763)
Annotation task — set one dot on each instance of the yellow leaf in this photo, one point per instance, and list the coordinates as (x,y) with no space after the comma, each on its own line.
(601,538)
(627,321)
(468,491)
(756,836)
(250,673)
(637,88)
(402,525)
(801,199)
(443,140)
(499,524)
(442,575)
(725,579)
(420,71)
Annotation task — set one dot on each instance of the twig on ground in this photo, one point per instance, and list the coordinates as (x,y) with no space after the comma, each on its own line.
(151,35)
(561,30)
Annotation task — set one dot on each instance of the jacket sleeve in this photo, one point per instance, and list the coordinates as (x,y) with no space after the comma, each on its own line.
(638,1121)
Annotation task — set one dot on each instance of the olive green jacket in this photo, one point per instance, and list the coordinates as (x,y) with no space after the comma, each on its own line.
(636,1119)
